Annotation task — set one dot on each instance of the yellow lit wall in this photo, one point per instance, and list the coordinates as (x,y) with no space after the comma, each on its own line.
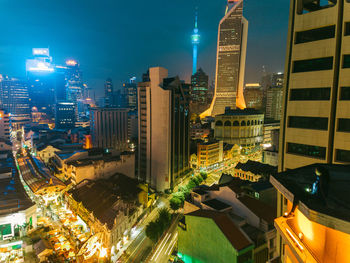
(326,244)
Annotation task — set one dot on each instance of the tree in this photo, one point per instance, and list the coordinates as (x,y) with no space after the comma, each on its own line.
(153,231)
(199,179)
(191,184)
(180,195)
(175,203)
(164,218)
(204,175)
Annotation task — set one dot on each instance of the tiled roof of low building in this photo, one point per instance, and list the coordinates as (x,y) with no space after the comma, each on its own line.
(13,197)
(259,208)
(101,197)
(216,204)
(256,168)
(231,231)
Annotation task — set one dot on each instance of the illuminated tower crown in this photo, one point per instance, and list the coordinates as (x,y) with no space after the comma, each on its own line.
(195,42)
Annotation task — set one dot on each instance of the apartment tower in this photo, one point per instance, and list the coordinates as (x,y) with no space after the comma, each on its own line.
(315,121)
(163,129)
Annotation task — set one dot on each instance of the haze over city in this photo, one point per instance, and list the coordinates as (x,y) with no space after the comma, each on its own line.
(119,39)
(187,131)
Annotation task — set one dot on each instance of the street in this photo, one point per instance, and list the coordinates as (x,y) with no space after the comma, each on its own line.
(166,245)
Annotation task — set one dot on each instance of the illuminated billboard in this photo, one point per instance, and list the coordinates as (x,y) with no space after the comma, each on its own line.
(41,52)
(35,65)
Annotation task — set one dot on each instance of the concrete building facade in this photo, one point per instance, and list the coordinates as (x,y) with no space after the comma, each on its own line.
(163,129)
(109,128)
(315,122)
(241,127)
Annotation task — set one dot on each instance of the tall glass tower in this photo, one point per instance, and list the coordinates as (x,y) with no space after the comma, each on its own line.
(195,41)
(230,60)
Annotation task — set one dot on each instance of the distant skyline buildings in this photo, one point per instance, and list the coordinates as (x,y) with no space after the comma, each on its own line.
(14,99)
(98,66)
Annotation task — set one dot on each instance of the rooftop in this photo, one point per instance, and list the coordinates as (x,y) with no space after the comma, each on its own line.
(246,111)
(257,168)
(259,208)
(13,197)
(101,196)
(331,198)
(232,232)
(216,204)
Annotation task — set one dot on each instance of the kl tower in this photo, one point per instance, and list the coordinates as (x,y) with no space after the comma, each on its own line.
(195,41)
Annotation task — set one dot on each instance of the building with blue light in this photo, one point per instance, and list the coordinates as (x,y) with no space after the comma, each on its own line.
(46,84)
(65,115)
(15,100)
(195,41)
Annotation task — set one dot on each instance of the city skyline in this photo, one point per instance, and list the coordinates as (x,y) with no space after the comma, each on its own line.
(99,37)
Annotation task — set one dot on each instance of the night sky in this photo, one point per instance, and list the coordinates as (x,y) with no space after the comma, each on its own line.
(120,39)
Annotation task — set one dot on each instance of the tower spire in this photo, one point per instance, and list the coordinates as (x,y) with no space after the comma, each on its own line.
(195,42)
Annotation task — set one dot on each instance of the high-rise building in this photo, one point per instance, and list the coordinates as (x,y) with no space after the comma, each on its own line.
(119,99)
(45,83)
(15,100)
(315,122)
(195,41)
(274,101)
(270,80)
(109,128)
(130,91)
(108,92)
(65,115)
(75,85)
(5,125)
(163,129)
(199,91)
(253,96)
(230,60)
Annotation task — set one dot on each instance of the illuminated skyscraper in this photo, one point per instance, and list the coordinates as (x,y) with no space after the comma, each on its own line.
(15,100)
(75,86)
(46,83)
(41,83)
(108,92)
(65,115)
(195,42)
(199,92)
(230,60)
(130,91)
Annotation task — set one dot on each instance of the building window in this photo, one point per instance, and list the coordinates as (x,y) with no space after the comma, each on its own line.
(218,123)
(346,61)
(347,29)
(313,123)
(344,125)
(235,123)
(315,64)
(315,34)
(342,155)
(243,123)
(310,94)
(345,93)
(308,6)
(306,150)
(227,123)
